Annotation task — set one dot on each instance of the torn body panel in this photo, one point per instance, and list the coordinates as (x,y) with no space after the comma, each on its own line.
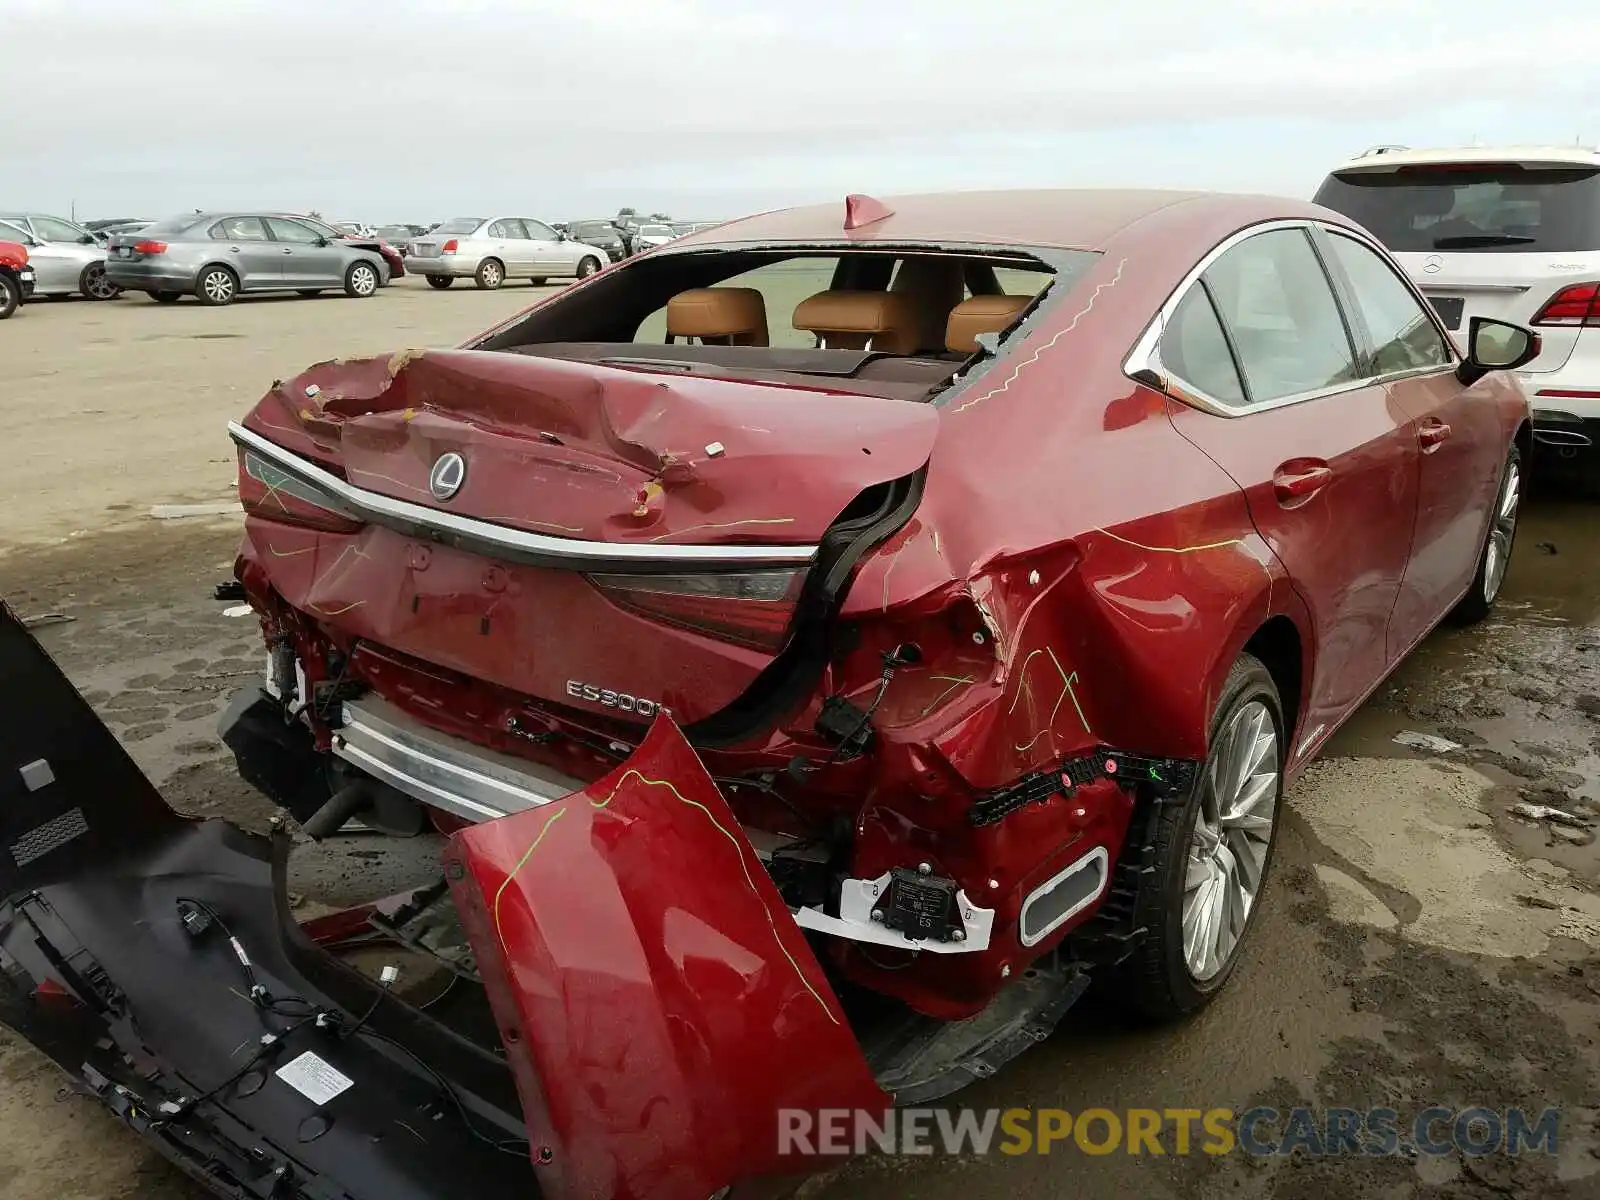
(657,1003)
(634,944)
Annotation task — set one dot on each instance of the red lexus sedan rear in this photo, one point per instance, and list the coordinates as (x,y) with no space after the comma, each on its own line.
(928,599)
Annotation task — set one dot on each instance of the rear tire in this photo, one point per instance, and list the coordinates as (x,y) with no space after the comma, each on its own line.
(217,286)
(538,282)
(361,280)
(10,295)
(165,297)
(491,274)
(440,281)
(309,292)
(1495,556)
(94,284)
(1204,848)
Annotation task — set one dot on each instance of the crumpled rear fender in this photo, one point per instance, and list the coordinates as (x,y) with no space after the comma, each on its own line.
(658,1002)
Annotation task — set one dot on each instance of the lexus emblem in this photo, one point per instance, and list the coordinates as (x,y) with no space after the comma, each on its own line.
(1432,263)
(447,476)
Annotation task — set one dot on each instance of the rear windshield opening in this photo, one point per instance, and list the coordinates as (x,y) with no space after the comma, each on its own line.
(1497,207)
(883,322)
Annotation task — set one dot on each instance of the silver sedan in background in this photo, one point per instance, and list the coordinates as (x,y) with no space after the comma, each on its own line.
(491,250)
(67,258)
(217,256)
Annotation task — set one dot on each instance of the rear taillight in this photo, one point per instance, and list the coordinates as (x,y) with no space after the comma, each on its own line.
(450,247)
(752,608)
(270,492)
(1576,304)
(150,247)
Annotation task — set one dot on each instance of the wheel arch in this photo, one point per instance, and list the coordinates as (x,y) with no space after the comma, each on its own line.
(1281,636)
(217,262)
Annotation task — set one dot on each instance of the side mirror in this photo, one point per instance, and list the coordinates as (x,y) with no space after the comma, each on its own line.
(91,239)
(322,242)
(1496,346)
(560,236)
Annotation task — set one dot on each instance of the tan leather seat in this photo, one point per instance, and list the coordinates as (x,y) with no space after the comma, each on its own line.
(885,321)
(981,314)
(733,316)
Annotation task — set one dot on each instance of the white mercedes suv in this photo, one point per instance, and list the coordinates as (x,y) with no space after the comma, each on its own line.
(1505,232)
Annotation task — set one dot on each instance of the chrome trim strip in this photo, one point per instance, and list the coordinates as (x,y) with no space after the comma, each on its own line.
(1095,858)
(467,781)
(1143,356)
(501,541)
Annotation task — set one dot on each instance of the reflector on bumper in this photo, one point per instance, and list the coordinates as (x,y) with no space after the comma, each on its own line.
(658,1002)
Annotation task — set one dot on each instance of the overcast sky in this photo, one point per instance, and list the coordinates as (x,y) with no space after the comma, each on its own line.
(415,110)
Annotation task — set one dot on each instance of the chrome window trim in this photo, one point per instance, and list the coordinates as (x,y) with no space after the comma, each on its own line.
(502,541)
(1143,361)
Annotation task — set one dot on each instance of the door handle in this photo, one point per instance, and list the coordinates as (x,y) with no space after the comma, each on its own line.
(1298,482)
(233,249)
(1433,435)
(288,250)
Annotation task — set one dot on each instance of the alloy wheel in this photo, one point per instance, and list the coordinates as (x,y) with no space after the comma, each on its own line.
(218,287)
(1497,555)
(1232,835)
(364,280)
(97,286)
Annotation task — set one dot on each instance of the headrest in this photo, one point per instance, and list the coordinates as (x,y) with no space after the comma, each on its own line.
(980,314)
(736,313)
(858,320)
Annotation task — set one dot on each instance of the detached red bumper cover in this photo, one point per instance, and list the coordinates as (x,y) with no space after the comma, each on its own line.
(658,1002)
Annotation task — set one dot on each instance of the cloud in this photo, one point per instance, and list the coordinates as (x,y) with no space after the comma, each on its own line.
(423,106)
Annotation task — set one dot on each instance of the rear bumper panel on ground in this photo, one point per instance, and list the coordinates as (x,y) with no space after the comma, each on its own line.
(635,948)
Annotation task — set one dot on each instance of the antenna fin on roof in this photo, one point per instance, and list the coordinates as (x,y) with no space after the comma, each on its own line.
(862,210)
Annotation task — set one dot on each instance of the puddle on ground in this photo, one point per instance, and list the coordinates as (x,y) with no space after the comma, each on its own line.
(1520,692)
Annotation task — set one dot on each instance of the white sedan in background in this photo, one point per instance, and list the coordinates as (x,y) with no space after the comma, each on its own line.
(491,250)
(67,259)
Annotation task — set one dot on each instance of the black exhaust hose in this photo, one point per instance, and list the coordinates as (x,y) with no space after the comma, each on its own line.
(341,806)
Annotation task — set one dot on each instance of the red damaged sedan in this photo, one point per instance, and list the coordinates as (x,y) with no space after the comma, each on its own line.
(821,630)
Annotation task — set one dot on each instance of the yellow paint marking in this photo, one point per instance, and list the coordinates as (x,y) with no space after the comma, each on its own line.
(1034,357)
(1117,537)
(1066,690)
(954,681)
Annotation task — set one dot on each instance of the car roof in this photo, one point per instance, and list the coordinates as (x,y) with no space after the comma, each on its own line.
(1387,158)
(1073,219)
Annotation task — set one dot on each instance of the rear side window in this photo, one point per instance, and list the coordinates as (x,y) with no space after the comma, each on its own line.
(239,229)
(1194,350)
(1492,207)
(173,224)
(1275,299)
(1403,336)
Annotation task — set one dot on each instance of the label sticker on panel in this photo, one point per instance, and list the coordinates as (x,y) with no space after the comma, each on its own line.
(314,1078)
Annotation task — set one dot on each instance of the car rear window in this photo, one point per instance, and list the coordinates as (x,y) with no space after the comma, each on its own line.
(458,225)
(1472,207)
(174,224)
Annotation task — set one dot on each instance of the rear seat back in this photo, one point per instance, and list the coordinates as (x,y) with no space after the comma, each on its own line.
(843,320)
(981,314)
(731,316)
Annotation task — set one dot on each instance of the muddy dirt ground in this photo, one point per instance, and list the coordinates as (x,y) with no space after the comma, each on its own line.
(1420,944)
